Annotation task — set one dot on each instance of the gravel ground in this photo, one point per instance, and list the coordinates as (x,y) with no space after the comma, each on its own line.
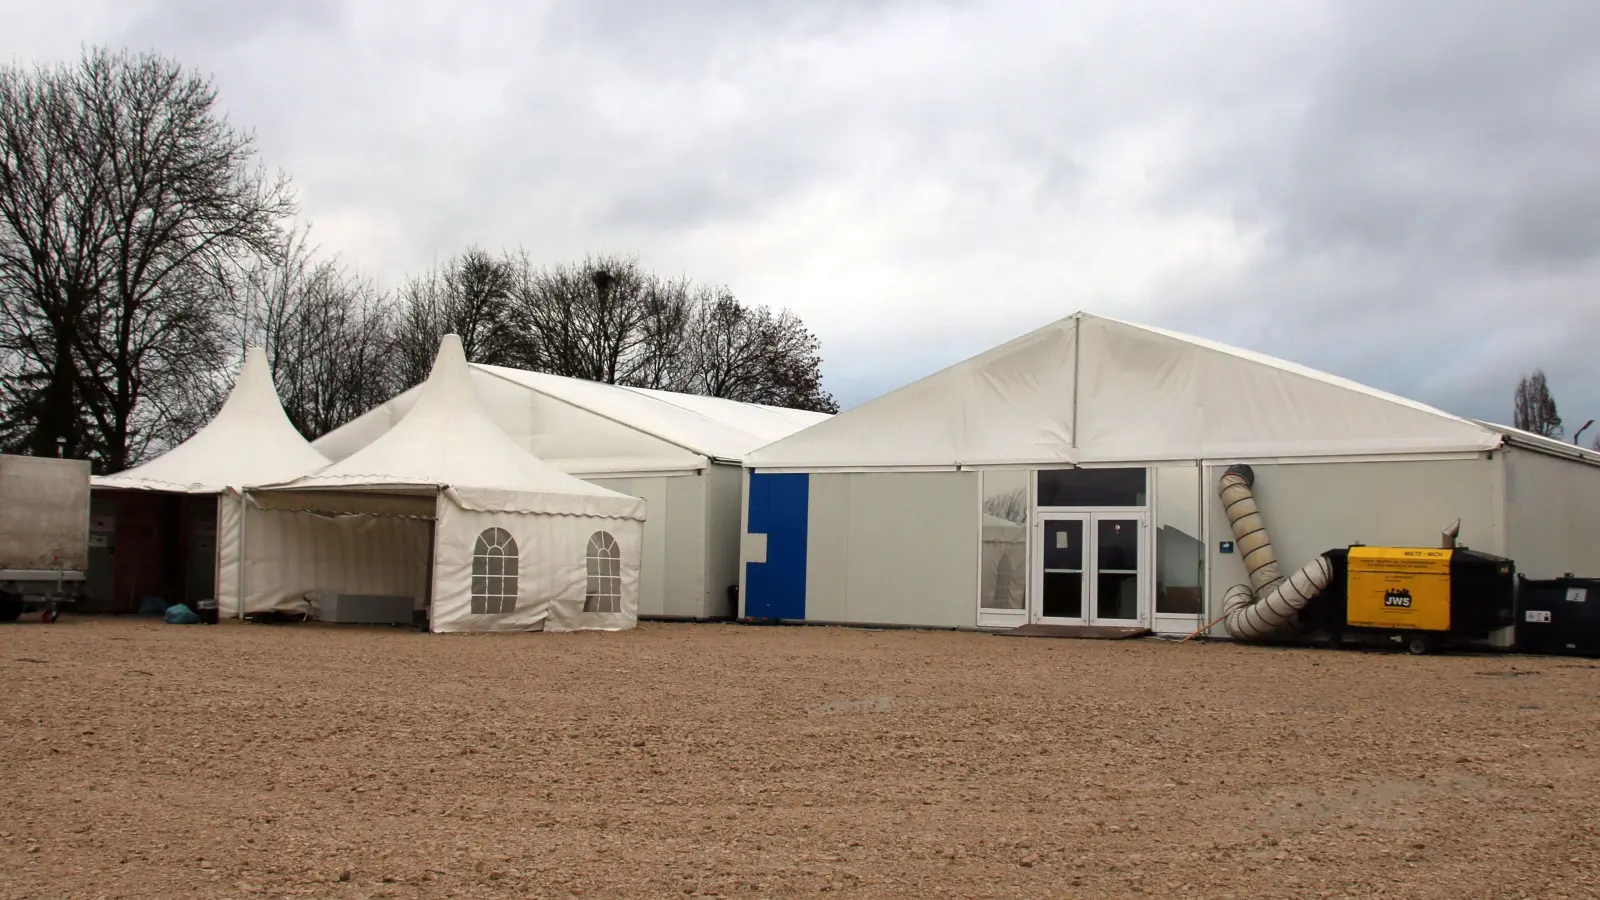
(149,760)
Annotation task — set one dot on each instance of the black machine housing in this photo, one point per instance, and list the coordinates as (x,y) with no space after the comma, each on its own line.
(1559,616)
(1482,601)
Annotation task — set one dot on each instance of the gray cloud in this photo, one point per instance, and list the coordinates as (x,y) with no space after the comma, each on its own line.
(1404,194)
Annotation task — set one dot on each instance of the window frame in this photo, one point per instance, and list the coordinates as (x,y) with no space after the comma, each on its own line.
(1097,501)
(602,564)
(496,573)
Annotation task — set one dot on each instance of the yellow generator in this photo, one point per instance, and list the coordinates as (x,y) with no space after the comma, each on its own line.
(1422,597)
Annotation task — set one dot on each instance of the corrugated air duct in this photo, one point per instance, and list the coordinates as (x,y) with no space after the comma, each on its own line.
(1269,604)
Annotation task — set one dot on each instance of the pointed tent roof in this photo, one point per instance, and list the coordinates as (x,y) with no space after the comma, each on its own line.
(1132,393)
(249,441)
(447,440)
(712,426)
(586,427)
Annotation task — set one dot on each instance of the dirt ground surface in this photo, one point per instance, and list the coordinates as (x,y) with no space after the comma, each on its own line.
(234,761)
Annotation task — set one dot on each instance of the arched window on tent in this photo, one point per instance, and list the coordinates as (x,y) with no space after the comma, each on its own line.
(1004,577)
(494,573)
(604,594)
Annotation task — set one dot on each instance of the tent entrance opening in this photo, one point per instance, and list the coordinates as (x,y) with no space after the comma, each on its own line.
(1089,569)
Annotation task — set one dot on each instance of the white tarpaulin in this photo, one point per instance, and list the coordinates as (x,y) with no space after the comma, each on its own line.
(1131,393)
(511,532)
(295,558)
(250,441)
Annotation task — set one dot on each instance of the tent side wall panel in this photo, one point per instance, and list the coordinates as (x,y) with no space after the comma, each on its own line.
(893,548)
(658,539)
(1310,508)
(686,546)
(290,554)
(828,549)
(554,574)
(1552,515)
(724,500)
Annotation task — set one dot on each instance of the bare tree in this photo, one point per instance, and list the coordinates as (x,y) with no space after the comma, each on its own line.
(1535,409)
(755,355)
(122,191)
(593,320)
(666,361)
(607,320)
(327,334)
(470,297)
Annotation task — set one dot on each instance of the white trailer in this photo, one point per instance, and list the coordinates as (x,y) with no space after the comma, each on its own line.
(44,534)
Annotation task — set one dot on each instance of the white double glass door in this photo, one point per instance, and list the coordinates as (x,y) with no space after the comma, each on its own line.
(1090,569)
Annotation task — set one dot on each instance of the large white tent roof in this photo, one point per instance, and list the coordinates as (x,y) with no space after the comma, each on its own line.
(1088,389)
(588,427)
(248,442)
(447,441)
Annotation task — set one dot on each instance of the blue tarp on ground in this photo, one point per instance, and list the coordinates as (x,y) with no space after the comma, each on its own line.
(179,614)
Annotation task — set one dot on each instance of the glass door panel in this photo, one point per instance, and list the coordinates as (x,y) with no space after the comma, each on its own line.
(1062,597)
(1117,559)
(1090,569)
(1063,579)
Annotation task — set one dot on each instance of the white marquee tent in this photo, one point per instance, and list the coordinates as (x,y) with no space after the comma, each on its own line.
(249,441)
(1090,389)
(680,452)
(516,544)
(1114,437)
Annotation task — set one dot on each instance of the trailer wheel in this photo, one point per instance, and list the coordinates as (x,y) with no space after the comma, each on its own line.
(1419,645)
(49,616)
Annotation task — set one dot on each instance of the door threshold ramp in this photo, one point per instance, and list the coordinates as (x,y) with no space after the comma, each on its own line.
(1091,632)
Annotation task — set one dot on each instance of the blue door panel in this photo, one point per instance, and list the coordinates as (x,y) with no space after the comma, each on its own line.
(776,589)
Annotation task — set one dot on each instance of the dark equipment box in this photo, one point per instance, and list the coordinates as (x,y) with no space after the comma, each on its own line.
(1423,597)
(1559,616)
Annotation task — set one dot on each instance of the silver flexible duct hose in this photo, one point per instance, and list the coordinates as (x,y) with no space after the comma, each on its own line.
(1249,530)
(1277,611)
(1269,604)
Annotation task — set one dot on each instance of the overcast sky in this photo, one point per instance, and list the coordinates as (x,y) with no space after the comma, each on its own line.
(1406,194)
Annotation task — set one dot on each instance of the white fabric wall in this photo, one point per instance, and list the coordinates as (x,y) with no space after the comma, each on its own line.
(1552,515)
(552,570)
(292,554)
(229,554)
(657,535)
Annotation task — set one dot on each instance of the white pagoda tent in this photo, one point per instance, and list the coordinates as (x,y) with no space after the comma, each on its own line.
(249,441)
(513,544)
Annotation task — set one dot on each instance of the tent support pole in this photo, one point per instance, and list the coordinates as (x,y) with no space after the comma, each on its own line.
(244,513)
(1077,348)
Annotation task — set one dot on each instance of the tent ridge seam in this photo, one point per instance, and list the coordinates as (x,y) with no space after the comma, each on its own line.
(595,412)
